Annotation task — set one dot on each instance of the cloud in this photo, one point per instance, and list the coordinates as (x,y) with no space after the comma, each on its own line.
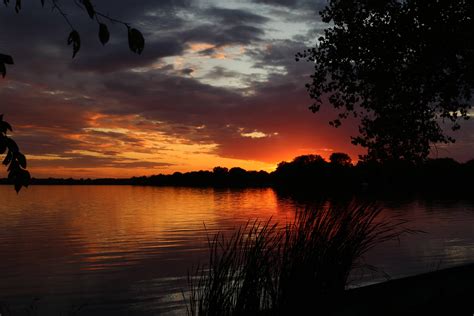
(187,71)
(120,58)
(219,72)
(234,17)
(316,5)
(225,26)
(175,107)
(220,35)
(97,162)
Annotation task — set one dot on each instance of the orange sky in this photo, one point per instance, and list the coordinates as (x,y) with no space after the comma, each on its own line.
(217,85)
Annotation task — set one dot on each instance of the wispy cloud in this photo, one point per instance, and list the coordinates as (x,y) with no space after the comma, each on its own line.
(216,85)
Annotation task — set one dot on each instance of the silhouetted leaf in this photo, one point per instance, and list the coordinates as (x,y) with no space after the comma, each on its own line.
(14,159)
(24,177)
(3,145)
(42,3)
(6,2)
(21,178)
(89,8)
(136,42)
(6,59)
(18,6)
(13,168)
(75,40)
(21,160)
(8,158)
(3,70)
(5,126)
(12,146)
(104,34)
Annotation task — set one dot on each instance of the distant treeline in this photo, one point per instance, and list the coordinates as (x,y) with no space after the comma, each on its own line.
(312,172)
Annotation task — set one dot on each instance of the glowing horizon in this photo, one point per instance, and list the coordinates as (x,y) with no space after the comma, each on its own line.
(217,85)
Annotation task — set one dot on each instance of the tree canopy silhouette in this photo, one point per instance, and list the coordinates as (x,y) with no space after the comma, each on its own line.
(401,67)
(340,159)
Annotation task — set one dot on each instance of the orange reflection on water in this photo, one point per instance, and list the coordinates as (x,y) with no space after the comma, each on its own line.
(114,227)
(84,243)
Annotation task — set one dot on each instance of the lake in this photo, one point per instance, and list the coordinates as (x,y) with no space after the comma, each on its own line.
(128,249)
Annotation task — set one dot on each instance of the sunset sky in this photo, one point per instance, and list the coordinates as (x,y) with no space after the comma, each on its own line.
(217,84)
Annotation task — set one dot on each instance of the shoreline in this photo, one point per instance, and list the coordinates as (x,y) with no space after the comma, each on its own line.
(448,291)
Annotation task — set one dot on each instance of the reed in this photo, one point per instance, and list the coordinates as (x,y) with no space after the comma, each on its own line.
(266,269)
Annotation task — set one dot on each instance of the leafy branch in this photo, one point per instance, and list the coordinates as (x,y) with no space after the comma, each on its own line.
(5,60)
(136,41)
(14,159)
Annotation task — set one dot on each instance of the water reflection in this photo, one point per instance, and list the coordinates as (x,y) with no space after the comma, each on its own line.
(129,248)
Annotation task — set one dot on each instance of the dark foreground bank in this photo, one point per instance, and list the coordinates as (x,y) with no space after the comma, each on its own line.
(444,292)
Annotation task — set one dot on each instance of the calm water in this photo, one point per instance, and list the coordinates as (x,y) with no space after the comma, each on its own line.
(128,249)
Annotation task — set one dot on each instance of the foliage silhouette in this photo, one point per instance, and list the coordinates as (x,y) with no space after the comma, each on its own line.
(311,175)
(5,60)
(14,160)
(401,67)
(340,159)
(136,41)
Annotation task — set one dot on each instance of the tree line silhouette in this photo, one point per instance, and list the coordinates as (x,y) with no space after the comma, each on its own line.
(313,174)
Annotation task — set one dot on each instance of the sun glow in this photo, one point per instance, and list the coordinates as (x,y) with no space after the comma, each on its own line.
(125,146)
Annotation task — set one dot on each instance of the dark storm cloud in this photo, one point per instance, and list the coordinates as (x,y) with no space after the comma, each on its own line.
(220,35)
(131,9)
(281,53)
(296,4)
(31,106)
(53,101)
(50,143)
(232,17)
(279,105)
(184,103)
(158,92)
(286,3)
(44,33)
(97,162)
(300,11)
(225,27)
(52,122)
(116,136)
(219,72)
(43,46)
(119,57)
(187,71)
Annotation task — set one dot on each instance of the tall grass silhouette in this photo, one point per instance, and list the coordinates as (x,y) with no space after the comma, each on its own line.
(263,269)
